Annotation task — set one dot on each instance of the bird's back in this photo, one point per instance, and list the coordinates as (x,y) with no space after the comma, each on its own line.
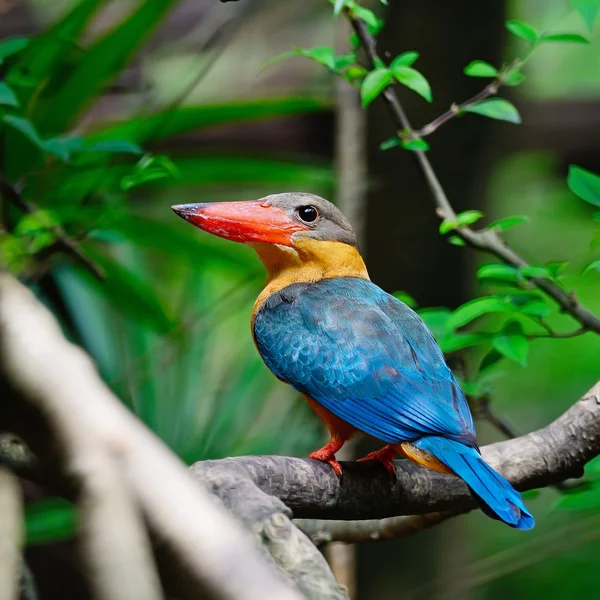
(363,355)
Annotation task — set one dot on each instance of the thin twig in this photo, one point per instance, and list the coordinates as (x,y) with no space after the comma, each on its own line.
(485,240)
(63,241)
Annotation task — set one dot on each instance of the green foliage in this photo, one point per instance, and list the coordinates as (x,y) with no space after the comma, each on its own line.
(495,108)
(374,83)
(584,184)
(49,520)
(512,343)
(587,496)
(507,222)
(523,30)
(573,38)
(588,9)
(480,68)
(412,79)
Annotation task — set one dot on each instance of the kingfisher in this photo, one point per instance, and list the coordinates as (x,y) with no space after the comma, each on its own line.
(364,360)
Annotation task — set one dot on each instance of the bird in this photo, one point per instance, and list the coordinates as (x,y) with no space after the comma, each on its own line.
(364,360)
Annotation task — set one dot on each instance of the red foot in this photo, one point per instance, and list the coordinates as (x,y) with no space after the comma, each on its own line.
(327,454)
(385,456)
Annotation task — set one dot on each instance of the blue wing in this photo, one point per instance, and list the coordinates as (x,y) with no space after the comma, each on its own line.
(365,356)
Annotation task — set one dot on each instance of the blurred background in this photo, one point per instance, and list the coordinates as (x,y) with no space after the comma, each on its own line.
(190,82)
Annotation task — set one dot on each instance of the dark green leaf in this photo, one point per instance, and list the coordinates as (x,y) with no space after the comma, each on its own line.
(390,143)
(413,80)
(477,308)
(375,82)
(508,222)
(556,267)
(7,96)
(468,217)
(523,30)
(498,272)
(594,265)
(12,46)
(406,59)
(588,9)
(574,38)
(190,118)
(596,216)
(495,108)
(25,127)
(584,184)
(115,146)
(406,298)
(512,343)
(480,68)
(417,145)
(490,360)
(49,520)
(536,308)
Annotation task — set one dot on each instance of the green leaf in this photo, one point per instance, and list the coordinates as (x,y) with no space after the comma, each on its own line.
(536,308)
(574,38)
(495,108)
(12,46)
(490,360)
(499,272)
(535,271)
(324,55)
(390,143)
(436,320)
(588,9)
(507,222)
(595,243)
(585,184)
(477,308)
(406,298)
(460,341)
(416,144)
(115,146)
(101,63)
(513,77)
(556,267)
(447,225)
(596,216)
(512,343)
(375,82)
(468,217)
(26,128)
(594,265)
(406,59)
(368,16)
(7,96)
(49,520)
(480,68)
(523,30)
(456,241)
(413,80)
(191,118)
(339,5)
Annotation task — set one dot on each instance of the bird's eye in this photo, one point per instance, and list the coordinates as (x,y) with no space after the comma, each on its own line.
(308,213)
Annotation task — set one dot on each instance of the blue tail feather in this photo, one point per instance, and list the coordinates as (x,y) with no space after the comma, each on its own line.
(496,496)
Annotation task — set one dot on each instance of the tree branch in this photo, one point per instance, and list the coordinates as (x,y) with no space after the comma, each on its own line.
(311,489)
(11,517)
(485,240)
(55,400)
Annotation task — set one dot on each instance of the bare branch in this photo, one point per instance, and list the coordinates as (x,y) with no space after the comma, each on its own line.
(486,240)
(11,518)
(311,489)
(58,386)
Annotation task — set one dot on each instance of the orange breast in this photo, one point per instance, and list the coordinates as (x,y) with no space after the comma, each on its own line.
(337,428)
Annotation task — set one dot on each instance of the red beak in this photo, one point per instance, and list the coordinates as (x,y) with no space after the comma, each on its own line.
(252,221)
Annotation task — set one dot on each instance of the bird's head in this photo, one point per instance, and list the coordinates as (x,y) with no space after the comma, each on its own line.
(281,219)
(296,234)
